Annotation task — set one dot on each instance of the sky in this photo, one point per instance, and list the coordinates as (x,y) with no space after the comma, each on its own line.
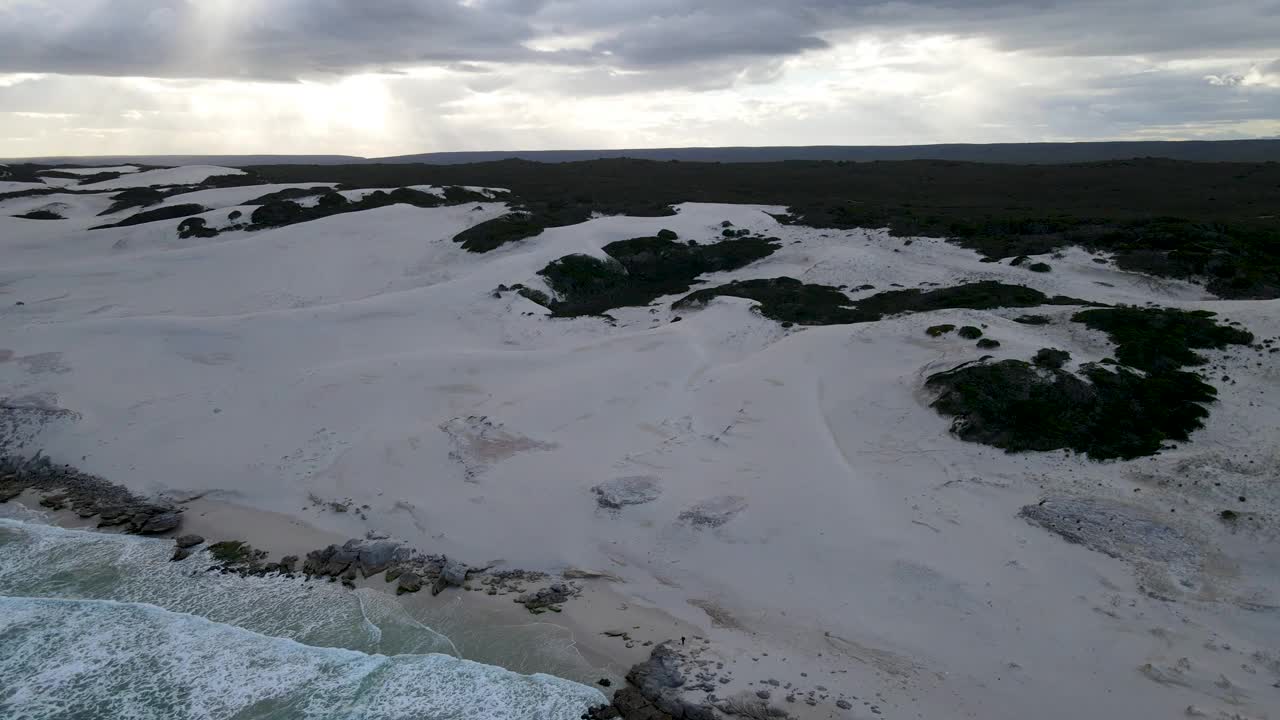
(386,77)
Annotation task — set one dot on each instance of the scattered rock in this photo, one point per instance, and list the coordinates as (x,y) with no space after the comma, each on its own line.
(187,541)
(547,597)
(635,490)
(714,512)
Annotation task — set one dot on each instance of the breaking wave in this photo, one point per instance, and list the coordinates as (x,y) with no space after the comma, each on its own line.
(103,626)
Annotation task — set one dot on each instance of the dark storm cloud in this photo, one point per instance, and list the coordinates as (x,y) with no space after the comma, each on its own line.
(284,39)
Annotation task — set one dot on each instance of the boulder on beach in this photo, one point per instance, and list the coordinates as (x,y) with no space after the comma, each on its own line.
(159,523)
(410,582)
(618,493)
(187,541)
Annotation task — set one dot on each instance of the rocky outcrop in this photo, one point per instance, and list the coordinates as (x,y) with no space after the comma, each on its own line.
(366,558)
(452,573)
(157,523)
(620,492)
(654,692)
(87,495)
(548,597)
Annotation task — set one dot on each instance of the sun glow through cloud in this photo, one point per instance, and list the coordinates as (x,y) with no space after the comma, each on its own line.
(305,77)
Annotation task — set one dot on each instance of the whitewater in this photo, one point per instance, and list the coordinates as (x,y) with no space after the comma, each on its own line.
(103,626)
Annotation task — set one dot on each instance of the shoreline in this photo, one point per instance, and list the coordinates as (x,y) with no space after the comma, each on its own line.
(661,661)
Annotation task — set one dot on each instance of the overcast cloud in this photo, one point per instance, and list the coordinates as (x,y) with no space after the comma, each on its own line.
(399,76)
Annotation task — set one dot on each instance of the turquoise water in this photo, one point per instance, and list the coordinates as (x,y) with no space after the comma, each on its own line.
(103,626)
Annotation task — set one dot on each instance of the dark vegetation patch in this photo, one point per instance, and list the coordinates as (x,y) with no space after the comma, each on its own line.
(60,174)
(33,192)
(164,213)
(1160,340)
(40,215)
(969,332)
(148,196)
(23,172)
(1033,319)
(520,225)
(784,299)
(531,218)
(985,295)
(135,197)
(1215,221)
(276,212)
(1235,258)
(641,270)
(195,227)
(1051,358)
(789,300)
(1121,411)
(97,177)
(988,344)
(289,194)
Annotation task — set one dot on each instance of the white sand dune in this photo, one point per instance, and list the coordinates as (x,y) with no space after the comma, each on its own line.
(364,356)
(123,169)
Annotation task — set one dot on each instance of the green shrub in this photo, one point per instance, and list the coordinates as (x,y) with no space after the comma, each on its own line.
(1051,358)
(641,270)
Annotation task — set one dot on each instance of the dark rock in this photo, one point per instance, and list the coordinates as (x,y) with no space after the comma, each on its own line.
(330,561)
(635,490)
(1112,528)
(843,705)
(763,694)
(159,523)
(113,516)
(969,332)
(410,582)
(186,541)
(546,597)
(376,557)
(54,502)
(602,712)
(714,512)
(180,553)
(454,572)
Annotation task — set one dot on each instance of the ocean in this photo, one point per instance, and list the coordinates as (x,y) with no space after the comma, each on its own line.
(96,625)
